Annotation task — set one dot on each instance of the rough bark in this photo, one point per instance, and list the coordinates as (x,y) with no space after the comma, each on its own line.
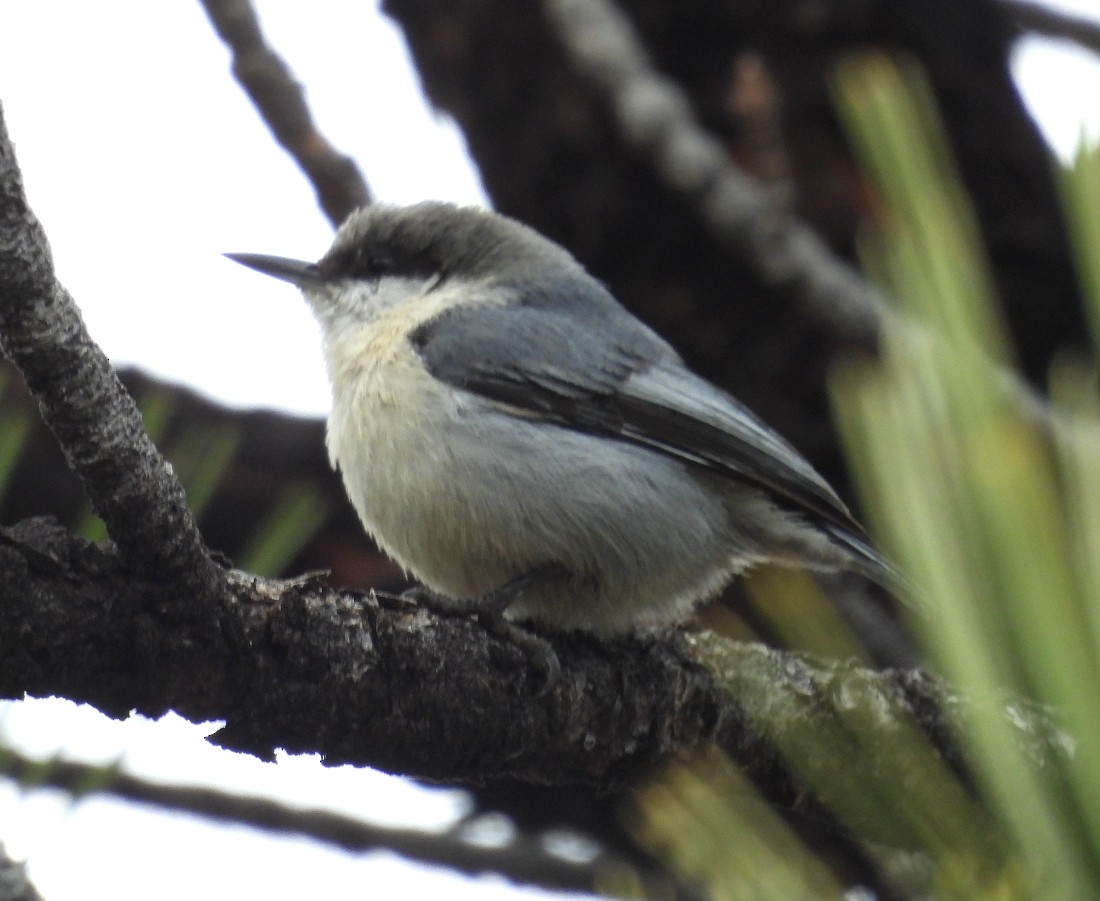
(94,419)
(367,681)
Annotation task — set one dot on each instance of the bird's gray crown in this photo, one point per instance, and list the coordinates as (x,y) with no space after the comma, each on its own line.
(432,238)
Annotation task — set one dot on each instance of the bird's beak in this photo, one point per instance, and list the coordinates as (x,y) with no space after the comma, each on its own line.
(296,272)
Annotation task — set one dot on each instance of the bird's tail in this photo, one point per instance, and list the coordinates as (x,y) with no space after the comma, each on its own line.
(870,562)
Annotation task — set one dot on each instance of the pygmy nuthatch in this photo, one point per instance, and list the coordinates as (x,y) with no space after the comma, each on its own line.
(513,437)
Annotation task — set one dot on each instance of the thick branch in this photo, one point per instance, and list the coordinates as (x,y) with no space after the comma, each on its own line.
(336,178)
(311,670)
(83,403)
(308,669)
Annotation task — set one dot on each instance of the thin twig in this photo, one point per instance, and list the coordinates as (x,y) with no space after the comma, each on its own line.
(1046,20)
(82,401)
(268,81)
(524,859)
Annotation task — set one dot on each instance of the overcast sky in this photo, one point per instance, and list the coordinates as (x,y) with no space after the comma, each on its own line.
(145,163)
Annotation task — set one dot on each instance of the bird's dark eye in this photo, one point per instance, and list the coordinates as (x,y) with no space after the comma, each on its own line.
(377,266)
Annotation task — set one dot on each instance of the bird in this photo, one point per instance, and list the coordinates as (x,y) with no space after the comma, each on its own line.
(526,448)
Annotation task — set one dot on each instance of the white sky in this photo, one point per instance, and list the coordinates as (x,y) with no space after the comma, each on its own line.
(145,163)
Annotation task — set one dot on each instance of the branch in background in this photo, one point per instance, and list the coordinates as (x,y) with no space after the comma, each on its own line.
(267,80)
(524,858)
(95,421)
(1044,19)
(14,884)
(655,117)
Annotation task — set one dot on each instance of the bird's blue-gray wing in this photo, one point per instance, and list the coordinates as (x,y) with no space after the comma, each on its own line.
(598,370)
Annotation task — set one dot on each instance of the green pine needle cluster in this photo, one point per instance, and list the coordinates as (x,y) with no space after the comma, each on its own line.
(990,502)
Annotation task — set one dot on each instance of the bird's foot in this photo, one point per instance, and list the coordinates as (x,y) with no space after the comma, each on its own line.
(489,610)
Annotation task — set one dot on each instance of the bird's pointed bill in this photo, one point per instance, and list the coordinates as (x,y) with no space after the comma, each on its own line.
(297,272)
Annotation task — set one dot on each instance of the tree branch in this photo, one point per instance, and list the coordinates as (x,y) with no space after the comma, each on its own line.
(655,117)
(367,682)
(1045,20)
(524,859)
(81,400)
(268,81)
(308,669)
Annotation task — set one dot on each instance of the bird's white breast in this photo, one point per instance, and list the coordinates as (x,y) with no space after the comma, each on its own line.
(388,436)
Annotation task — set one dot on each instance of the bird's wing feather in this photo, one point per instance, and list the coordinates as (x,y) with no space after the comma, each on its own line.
(605,373)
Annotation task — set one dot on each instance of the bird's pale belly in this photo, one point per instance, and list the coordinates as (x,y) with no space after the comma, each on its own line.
(466,497)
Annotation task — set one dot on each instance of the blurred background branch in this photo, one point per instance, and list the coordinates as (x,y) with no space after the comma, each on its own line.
(1045,20)
(524,859)
(280,100)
